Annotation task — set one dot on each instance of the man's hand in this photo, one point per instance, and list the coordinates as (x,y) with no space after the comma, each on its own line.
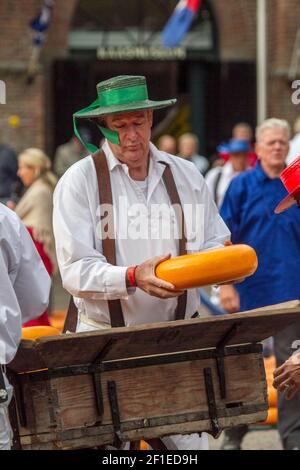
(287,377)
(148,282)
(11,205)
(229,298)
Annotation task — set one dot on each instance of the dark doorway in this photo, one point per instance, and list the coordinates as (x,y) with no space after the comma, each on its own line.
(230,98)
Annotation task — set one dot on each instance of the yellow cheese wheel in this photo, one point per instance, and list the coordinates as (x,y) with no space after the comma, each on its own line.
(143,445)
(35,332)
(272,416)
(272,396)
(219,265)
(57,319)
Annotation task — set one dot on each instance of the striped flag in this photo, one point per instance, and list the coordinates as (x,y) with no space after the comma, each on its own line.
(39,25)
(180,22)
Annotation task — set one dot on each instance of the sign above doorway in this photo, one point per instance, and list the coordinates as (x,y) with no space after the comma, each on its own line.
(135,33)
(141,53)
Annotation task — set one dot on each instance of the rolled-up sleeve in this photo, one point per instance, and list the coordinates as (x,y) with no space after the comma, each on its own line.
(84,270)
(10,316)
(25,286)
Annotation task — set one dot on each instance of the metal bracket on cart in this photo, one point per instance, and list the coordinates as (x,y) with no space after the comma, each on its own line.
(115,413)
(220,349)
(211,401)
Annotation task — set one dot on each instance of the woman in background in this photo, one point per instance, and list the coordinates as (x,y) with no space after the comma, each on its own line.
(35,209)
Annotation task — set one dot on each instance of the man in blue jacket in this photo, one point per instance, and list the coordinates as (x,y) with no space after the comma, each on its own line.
(248,210)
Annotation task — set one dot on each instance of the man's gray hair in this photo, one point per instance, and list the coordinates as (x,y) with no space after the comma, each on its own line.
(271,124)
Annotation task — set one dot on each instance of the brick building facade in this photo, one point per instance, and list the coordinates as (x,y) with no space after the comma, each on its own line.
(34,104)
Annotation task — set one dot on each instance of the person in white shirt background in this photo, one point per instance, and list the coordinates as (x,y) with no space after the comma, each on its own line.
(294,151)
(24,293)
(219,178)
(136,167)
(188,147)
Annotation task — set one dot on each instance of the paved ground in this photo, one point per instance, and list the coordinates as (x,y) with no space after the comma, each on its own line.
(265,439)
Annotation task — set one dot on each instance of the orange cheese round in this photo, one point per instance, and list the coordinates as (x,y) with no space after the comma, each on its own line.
(35,332)
(272,417)
(216,266)
(272,396)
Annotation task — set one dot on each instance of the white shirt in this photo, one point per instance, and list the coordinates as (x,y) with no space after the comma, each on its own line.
(24,281)
(84,270)
(294,150)
(200,162)
(227,174)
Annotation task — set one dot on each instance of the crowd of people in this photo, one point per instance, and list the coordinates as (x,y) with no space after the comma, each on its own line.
(239,192)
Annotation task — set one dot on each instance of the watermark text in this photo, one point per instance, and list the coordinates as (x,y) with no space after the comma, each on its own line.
(296,94)
(151,222)
(2,92)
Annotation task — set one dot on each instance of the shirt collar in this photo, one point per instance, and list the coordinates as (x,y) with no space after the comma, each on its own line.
(155,155)
(260,174)
(227,169)
(111,159)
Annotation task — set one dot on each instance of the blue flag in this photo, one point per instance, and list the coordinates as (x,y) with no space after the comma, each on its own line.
(41,23)
(180,22)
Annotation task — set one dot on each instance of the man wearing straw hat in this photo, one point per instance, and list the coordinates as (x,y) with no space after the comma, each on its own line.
(152,206)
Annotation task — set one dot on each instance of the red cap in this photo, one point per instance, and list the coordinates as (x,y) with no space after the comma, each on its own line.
(291,180)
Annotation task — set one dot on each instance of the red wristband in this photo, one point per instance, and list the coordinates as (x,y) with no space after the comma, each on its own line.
(131,276)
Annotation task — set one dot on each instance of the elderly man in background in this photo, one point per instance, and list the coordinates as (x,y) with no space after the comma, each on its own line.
(248,210)
(122,289)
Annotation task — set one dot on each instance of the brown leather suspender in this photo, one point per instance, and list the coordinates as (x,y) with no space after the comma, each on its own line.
(71,318)
(108,243)
(174,198)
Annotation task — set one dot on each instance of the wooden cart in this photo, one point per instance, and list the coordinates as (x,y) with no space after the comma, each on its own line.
(90,389)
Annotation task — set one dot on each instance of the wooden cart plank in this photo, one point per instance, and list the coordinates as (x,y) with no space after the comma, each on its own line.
(173,389)
(79,439)
(158,338)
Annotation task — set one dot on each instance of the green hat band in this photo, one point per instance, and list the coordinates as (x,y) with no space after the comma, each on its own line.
(110,135)
(117,96)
